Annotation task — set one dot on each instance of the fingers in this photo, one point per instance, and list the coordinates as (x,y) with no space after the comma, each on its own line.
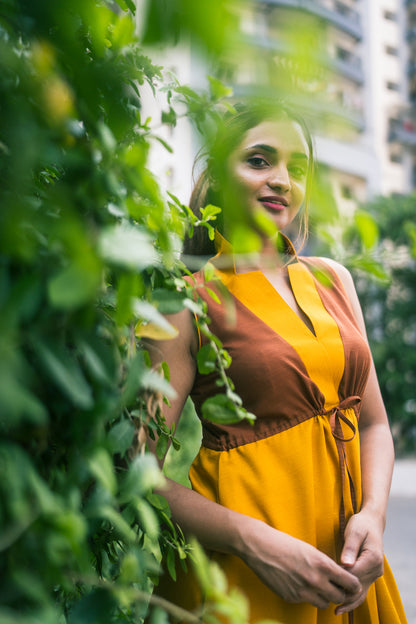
(324,590)
(353,543)
(352,603)
(346,581)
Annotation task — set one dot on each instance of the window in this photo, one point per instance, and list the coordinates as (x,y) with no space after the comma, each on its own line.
(391,50)
(396,157)
(390,15)
(343,54)
(346,191)
(392,86)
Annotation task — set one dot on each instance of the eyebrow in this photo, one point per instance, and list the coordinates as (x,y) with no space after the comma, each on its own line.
(273,150)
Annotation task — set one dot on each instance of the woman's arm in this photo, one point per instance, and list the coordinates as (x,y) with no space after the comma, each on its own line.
(293,569)
(363,548)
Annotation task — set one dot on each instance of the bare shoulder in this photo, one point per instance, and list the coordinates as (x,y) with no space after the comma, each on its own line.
(343,274)
(182,344)
(348,283)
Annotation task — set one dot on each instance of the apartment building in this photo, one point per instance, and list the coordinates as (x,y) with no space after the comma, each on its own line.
(350,65)
(356,96)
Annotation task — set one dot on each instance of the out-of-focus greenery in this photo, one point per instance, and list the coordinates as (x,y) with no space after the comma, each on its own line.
(378,244)
(87,268)
(390,311)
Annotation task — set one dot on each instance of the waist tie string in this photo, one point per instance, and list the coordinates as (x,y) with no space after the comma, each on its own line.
(336,415)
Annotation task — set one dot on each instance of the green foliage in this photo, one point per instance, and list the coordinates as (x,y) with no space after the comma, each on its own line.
(378,246)
(389,308)
(86,270)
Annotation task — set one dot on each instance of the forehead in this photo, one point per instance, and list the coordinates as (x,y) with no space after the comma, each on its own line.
(284,135)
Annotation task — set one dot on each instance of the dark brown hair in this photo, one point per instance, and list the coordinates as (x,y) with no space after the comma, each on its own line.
(229,134)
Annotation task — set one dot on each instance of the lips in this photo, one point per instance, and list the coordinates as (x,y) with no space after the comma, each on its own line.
(274,202)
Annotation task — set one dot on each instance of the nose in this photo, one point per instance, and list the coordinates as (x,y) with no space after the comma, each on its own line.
(279,178)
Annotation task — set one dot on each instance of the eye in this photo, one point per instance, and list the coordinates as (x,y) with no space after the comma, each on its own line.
(257,162)
(298,171)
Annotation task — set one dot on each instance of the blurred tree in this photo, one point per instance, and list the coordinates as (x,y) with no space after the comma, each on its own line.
(378,245)
(390,309)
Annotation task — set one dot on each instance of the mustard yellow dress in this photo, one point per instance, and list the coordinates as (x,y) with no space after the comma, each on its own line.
(298,467)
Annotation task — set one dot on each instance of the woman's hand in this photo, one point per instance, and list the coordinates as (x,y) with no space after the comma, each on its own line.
(297,571)
(362,554)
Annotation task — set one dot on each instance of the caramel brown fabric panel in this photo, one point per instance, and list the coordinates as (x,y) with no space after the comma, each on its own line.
(357,353)
(268,374)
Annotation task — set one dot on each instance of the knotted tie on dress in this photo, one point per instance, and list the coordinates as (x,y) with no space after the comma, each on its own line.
(336,415)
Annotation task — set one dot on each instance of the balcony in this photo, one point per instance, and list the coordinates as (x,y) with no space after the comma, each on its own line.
(411,69)
(317,111)
(339,14)
(345,63)
(403,131)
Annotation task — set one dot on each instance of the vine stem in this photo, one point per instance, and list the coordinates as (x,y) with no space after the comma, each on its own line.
(142,596)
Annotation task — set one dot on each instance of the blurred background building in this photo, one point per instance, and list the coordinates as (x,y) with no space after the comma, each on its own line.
(352,64)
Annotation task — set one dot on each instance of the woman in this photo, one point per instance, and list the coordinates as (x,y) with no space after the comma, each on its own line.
(294,506)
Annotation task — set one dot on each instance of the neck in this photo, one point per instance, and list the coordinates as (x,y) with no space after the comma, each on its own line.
(274,254)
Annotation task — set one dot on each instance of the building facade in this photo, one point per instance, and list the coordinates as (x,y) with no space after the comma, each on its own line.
(365,51)
(350,65)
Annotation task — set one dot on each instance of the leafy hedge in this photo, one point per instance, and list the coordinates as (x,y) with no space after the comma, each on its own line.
(87,267)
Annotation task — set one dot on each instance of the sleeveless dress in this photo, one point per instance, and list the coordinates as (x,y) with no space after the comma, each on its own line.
(298,467)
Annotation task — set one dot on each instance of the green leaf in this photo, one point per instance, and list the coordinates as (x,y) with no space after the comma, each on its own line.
(119,524)
(94,608)
(372,267)
(170,562)
(102,468)
(220,409)
(130,568)
(143,476)
(218,89)
(158,502)
(18,403)
(93,361)
(206,359)
(209,272)
(108,141)
(169,117)
(147,518)
(213,295)
(127,5)
(147,311)
(168,301)
(121,436)
(210,212)
(73,286)
(66,373)
(162,446)
(367,228)
(159,616)
(127,246)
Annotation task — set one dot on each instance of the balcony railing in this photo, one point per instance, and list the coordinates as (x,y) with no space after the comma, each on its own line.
(350,66)
(341,15)
(403,131)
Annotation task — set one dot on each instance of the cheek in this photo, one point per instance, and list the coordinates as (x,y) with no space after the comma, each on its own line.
(247,179)
(300,191)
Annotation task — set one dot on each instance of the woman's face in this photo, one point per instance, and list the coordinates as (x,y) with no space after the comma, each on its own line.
(268,172)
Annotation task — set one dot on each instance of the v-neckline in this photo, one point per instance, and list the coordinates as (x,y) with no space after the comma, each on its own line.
(225,249)
(323,352)
(231,275)
(309,328)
